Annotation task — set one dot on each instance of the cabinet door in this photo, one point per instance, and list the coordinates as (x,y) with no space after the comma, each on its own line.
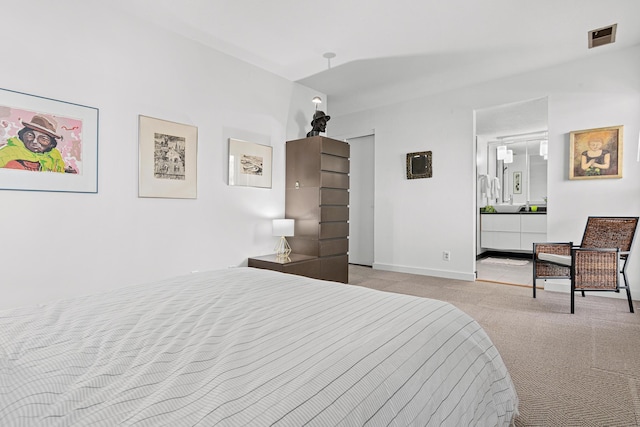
(534,230)
(303,164)
(534,223)
(528,239)
(500,222)
(500,240)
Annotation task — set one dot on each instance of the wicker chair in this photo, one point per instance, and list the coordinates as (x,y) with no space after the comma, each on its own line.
(596,264)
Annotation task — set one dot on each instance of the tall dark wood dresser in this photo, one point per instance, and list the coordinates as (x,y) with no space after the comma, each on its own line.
(317,197)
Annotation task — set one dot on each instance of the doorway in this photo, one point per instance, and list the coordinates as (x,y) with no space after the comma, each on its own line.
(361,200)
(503,255)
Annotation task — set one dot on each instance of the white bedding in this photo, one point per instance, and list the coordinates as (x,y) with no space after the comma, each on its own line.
(245,346)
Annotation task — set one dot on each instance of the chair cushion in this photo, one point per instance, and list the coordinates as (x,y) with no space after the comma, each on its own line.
(556,259)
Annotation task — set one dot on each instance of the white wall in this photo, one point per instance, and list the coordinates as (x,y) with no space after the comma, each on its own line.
(415,220)
(61,244)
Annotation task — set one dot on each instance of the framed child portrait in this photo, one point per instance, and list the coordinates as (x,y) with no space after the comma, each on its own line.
(596,153)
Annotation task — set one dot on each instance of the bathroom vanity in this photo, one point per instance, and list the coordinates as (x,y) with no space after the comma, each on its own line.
(515,231)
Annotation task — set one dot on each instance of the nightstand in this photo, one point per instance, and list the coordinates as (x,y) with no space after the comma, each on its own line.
(302,265)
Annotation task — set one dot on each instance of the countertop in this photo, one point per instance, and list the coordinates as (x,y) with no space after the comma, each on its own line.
(514,213)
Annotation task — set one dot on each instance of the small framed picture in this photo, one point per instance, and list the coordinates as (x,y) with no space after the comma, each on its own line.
(517,182)
(168,159)
(249,164)
(419,165)
(596,153)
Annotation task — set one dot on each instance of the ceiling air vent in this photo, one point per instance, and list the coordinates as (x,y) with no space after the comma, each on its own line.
(602,36)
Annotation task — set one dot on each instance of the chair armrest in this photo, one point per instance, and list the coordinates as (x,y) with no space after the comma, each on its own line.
(563,260)
(556,248)
(550,268)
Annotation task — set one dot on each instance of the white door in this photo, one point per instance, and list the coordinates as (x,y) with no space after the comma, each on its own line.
(361,200)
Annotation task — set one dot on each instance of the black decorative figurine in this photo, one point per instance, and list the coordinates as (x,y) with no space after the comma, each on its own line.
(319,123)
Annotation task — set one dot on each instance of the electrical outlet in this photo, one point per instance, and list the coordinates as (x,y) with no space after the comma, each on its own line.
(446,255)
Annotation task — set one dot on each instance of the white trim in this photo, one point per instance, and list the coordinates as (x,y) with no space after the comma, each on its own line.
(352,135)
(446,274)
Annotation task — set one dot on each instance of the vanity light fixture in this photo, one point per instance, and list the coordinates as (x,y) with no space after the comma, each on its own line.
(316,100)
(544,147)
(509,157)
(501,152)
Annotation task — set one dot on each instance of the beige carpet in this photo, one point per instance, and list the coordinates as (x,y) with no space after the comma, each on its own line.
(569,370)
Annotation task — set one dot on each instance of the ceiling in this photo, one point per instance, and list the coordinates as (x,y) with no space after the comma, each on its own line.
(512,120)
(392,50)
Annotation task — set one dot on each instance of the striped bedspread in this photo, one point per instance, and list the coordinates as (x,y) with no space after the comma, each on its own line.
(249,347)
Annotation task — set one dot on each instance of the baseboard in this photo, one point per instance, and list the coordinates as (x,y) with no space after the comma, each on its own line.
(446,274)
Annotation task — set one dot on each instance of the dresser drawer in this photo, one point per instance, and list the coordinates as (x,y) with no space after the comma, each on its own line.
(333,247)
(331,230)
(335,147)
(334,213)
(334,163)
(334,180)
(331,196)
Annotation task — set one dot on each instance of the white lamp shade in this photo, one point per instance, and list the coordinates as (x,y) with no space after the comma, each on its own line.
(501,152)
(283,227)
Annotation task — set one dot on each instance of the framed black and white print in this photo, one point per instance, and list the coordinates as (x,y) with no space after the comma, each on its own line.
(517,182)
(168,159)
(249,164)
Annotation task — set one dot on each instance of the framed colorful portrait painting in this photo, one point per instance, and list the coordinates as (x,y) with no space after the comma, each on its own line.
(596,153)
(47,145)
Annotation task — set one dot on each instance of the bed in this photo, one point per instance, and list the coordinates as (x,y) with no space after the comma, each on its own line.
(244,346)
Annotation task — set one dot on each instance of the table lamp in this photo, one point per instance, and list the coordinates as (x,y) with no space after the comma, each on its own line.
(282,228)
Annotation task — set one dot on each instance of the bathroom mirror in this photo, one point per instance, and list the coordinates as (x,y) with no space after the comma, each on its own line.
(419,165)
(524,179)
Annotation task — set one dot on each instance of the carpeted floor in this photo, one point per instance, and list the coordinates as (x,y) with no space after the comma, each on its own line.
(569,370)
